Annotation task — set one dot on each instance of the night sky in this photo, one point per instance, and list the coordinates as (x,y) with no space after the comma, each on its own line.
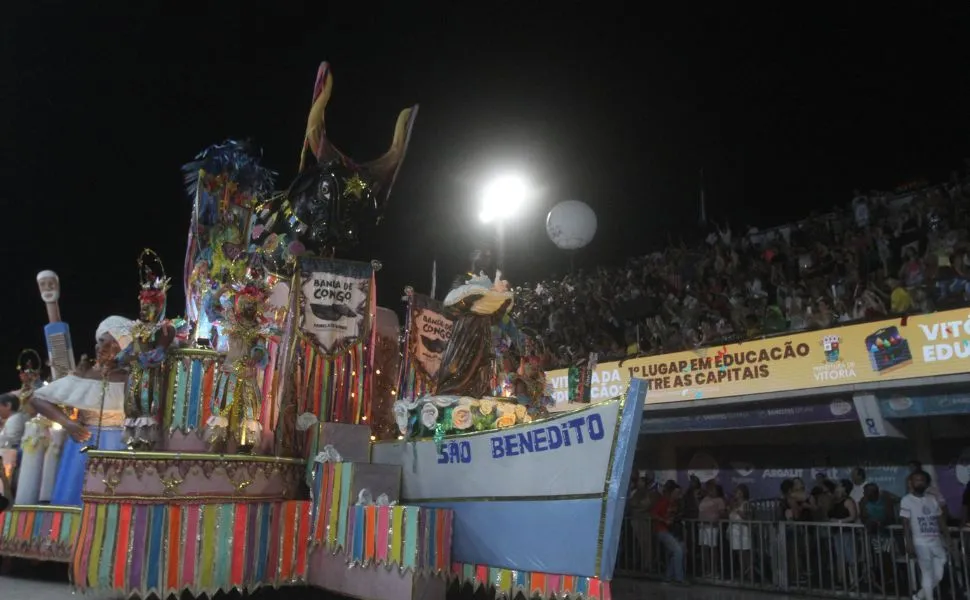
(786,112)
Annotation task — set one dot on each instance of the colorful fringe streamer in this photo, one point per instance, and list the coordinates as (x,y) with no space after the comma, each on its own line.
(39,532)
(409,537)
(166,549)
(190,378)
(413,383)
(507,583)
(333,388)
(268,377)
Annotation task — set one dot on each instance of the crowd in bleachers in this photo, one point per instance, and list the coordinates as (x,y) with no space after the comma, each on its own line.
(879,254)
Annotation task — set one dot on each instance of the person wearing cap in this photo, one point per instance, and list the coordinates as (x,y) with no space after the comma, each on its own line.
(97,391)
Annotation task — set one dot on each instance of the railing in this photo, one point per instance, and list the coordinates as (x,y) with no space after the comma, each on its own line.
(804,558)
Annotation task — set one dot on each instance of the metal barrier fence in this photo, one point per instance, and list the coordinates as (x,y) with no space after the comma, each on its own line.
(803,558)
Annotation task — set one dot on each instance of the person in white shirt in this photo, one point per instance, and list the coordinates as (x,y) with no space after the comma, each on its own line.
(924,527)
(13,421)
(859,483)
(916,466)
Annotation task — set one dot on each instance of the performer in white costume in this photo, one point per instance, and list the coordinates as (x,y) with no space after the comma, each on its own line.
(37,435)
(98,393)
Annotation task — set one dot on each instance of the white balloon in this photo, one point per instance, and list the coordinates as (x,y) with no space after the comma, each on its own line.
(571,224)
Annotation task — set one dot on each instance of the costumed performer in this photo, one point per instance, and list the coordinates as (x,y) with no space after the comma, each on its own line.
(97,391)
(37,434)
(237,398)
(151,336)
(466,365)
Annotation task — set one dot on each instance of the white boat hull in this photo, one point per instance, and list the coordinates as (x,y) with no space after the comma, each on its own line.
(544,497)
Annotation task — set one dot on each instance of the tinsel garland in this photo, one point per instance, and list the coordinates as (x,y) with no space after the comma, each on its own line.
(268,377)
(412,382)
(387,361)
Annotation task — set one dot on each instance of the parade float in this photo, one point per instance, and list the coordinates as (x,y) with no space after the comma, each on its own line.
(281,434)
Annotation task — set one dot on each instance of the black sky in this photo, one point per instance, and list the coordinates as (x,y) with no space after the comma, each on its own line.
(621,107)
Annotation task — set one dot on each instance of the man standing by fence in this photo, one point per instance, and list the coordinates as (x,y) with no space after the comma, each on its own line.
(924,526)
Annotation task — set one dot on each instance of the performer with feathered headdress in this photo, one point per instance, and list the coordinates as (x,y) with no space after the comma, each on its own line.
(237,397)
(151,337)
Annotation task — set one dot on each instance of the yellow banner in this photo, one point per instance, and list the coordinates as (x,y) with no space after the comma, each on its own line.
(890,350)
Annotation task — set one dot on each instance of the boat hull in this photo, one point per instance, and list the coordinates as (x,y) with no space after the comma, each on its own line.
(545,497)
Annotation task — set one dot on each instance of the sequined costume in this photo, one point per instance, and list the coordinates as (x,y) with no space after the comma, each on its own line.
(151,337)
(146,386)
(236,401)
(237,397)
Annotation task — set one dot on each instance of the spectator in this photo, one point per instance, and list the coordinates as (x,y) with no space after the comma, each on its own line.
(740,532)
(799,506)
(664,514)
(859,483)
(875,512)
(642,499)
(13,420)
(916,466)
(844,511)
(924,528)
(896,254)
(711,510)
(692,497)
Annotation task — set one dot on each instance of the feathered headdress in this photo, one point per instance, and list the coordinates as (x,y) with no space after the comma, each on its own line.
(237,163)
(154,283)
(28,368)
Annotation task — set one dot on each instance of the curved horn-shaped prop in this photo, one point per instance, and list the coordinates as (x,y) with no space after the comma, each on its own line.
(380,172)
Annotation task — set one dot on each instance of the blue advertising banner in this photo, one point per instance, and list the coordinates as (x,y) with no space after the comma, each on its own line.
(835,411)
(903,406)
(763,468)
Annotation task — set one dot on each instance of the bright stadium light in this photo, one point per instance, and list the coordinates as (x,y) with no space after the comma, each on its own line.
(502,198)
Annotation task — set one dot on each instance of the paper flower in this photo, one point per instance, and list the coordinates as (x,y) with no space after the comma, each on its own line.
(461,417)
(505,408)
(364,498)
(410,404)
(520,411)
(527,419)
(445,401)
(328,454)
(429,415)
(306,421)
(486,406)
(401,414)
(506,420)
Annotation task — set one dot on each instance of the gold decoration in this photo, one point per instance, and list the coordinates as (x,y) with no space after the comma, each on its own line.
(171,485)
(233,475)
(355,186)
(111,482)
